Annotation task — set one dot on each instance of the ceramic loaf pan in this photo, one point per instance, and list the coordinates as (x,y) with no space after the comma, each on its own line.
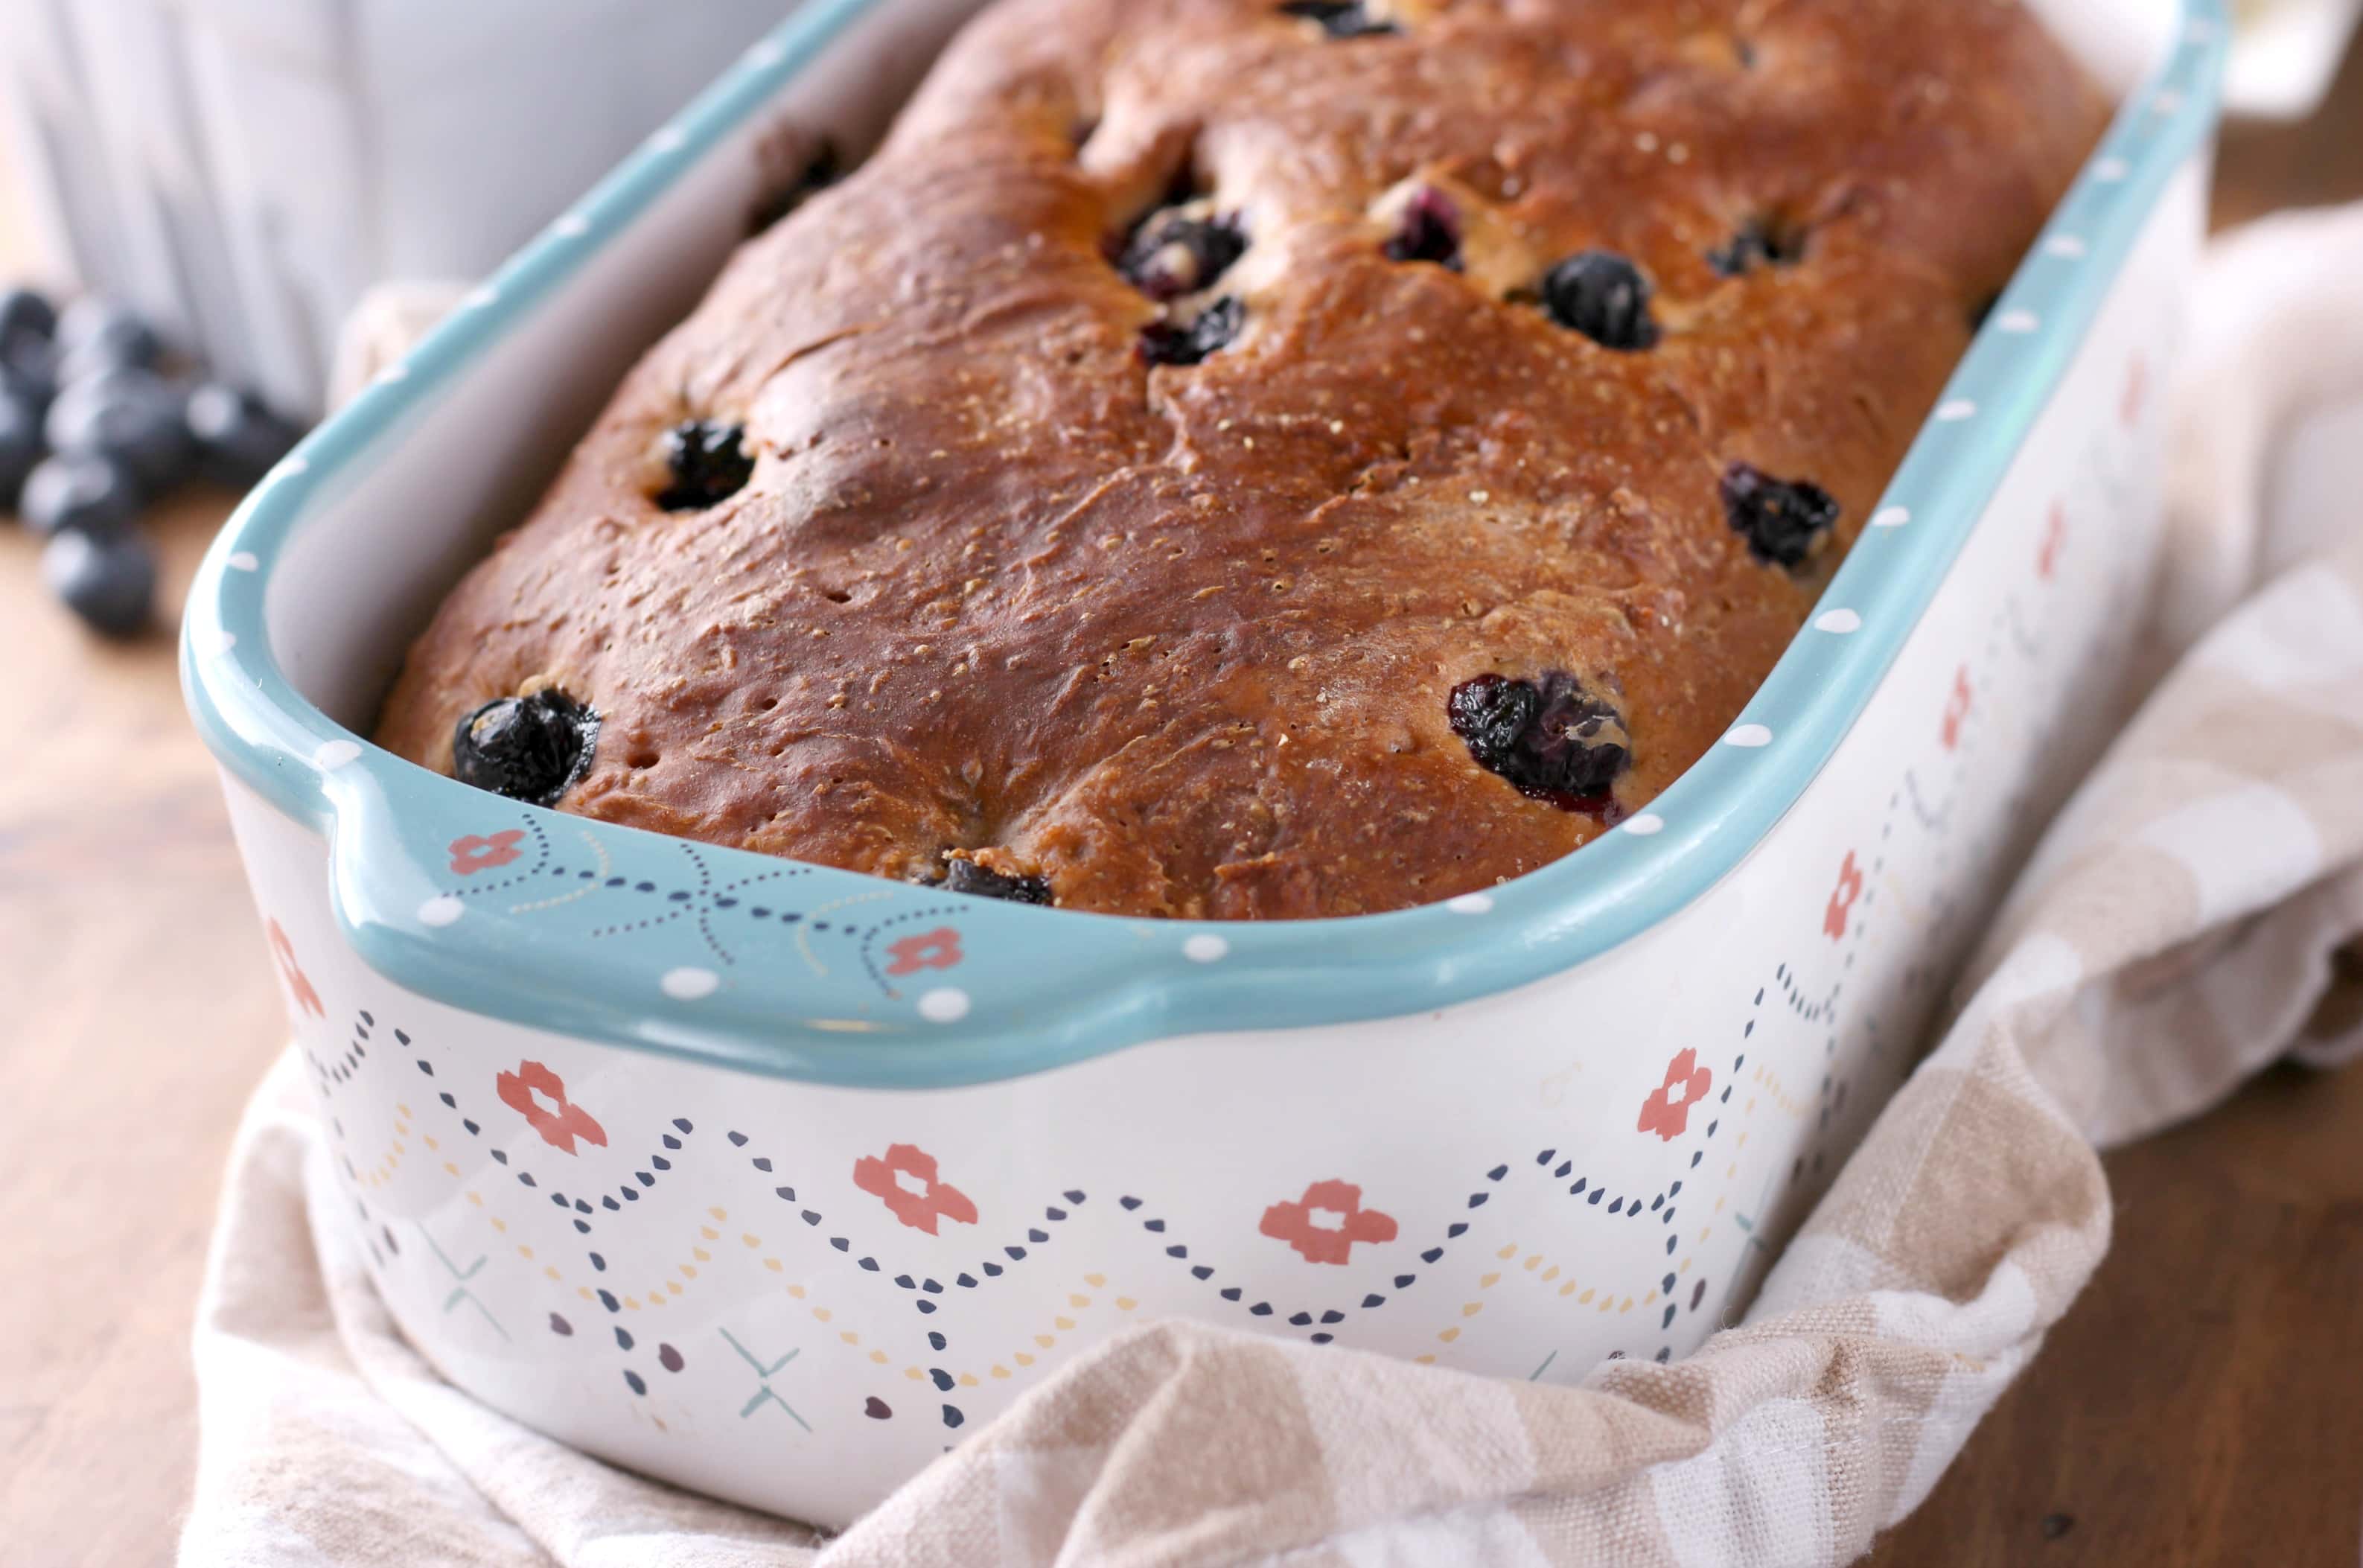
(773,1180)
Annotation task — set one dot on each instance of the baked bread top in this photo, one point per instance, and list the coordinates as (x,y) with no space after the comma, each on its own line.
(1233,459)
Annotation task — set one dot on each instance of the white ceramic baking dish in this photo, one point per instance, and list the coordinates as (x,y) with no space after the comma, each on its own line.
(773,1180)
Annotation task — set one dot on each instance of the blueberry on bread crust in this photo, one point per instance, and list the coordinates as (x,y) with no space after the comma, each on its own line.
(1227,459)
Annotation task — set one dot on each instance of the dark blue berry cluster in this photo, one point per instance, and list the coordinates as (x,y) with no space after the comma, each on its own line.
(1547,735)
(94,424)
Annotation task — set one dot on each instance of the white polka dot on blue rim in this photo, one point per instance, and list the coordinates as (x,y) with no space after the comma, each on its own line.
(332,754)
(1647,825)
(944,1004)
(1838,623)
(689,983)
(440,910)
(1954,410)
(1470,903)
(1890,517)
(1749,737)
(669,139)
(244,560)
(1205,948)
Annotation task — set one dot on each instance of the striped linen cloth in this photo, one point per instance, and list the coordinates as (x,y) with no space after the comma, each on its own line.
(2179,929)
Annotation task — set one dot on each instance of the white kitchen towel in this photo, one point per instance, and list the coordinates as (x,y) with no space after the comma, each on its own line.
(2176,930)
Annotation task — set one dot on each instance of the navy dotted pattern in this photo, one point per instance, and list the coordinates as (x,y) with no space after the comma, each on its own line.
(695,897)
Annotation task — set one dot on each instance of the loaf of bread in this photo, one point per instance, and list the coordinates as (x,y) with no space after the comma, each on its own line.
(1264,458)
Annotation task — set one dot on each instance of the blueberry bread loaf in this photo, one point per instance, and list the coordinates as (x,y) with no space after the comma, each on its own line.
(1264,458)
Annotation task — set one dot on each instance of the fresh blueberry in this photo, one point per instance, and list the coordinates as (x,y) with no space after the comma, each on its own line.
(1782,520)
(131,416)
(710,463)
(531,749)
(1603,296)
(79,494)
(1547,735)
(1170,255)
(238,438)
(1339,19)
(967,876)
(20,447)
(1760,242)
(1166,344)
(1429,230)
(29,325)
(96,335)
(26,313)
(107,579)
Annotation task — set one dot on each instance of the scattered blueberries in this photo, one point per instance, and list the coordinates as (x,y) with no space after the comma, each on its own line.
(1783,520)
(1547,735)
(128,415)
(94,423)
(95,334)
(1429,230)
(108,579)
(1762,242)
(531,749)
(1164,343)
(1339,19)
(709,461)
(79,494)
(1603,296)
(237,437)
(1170,255)
(967,876)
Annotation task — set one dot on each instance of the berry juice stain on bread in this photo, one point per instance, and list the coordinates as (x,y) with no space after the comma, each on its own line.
(1236,458)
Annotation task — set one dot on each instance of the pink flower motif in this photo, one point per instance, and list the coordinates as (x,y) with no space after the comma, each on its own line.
(1849,888)
(298,986)
(907,1180)
(535,1093)
(1956,708)
(478,851)
(1667,1111)
(2055,534)
(1324,1225)
(938,949)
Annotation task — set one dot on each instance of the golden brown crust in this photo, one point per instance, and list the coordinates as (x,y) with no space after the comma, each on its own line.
(1179,637)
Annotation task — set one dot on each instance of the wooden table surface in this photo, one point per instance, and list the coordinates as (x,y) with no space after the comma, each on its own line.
(2197,1405)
